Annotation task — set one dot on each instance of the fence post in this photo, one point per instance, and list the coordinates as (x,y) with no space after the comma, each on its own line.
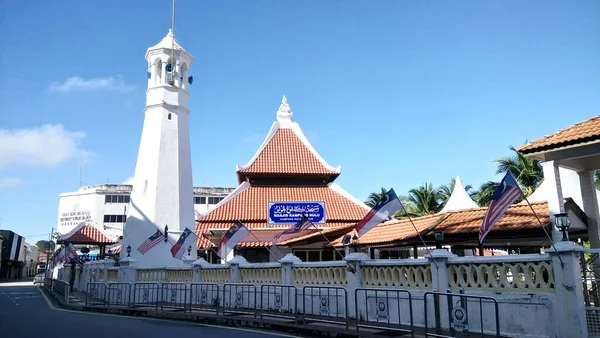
(197,267)
(569,306)
(287,265)
(126,272)
(235,268)
(438,259)
(76,285)
(353,277)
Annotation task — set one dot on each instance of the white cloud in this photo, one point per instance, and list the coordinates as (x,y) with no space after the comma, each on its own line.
(129,180)
(43,146)
(9,182)
(76,83)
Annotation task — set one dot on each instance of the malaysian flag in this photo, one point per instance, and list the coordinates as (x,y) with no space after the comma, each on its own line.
(506,194)
(151,242)
(304,224)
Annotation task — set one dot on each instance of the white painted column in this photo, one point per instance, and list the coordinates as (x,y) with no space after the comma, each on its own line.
(569,307)
(354,261)
(590,205)
(127,271)
(287,266)
(235,268)
(197,267)
(439,280)
(556,203)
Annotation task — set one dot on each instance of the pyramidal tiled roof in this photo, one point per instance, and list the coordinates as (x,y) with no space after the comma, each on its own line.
(87,233)
(286,151)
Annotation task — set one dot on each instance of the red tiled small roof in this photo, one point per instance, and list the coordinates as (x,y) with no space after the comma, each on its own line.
(517,217)
(87,234)
(286,154)
(582,132)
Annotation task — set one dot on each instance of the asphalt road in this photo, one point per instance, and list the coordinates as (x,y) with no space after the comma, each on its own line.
(25,312)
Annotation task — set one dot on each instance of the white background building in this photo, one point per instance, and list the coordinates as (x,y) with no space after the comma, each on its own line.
(106,205)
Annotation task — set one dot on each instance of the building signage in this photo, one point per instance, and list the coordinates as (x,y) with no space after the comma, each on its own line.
(74,217)
(291,212)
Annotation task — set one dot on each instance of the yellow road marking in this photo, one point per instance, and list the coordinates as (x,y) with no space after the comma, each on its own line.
(49,302)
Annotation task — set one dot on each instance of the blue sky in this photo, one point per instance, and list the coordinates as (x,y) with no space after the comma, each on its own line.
(397,92)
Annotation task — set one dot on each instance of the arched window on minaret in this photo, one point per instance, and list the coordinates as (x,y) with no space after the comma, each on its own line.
(183,76)
(169,68)
(158,69)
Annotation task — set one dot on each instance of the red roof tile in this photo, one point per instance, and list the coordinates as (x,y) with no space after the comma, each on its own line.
(87,234)
(286,154)
(517,217)
(586,131)
(252,204)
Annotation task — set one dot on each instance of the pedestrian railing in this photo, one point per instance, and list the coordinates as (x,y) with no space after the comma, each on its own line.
(278,301)
(239,298)
(173,296)
(118,294)
(61,288)
(390,310)
(95,294)
(464,315)
(204,297)
(145,295)
(325,304)
(387,311)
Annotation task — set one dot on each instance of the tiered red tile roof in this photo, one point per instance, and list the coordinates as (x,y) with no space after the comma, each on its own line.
(582,132)
(285,154)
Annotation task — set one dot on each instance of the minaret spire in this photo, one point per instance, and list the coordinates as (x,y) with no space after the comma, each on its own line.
(284,113)
(173,63)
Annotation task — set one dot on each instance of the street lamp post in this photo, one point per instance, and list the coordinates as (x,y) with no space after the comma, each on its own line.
(563,222)
(439,237)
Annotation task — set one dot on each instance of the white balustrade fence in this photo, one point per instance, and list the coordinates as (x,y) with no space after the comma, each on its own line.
(528,289)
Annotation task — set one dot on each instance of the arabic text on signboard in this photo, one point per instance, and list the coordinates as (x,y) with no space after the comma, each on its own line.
(291,212)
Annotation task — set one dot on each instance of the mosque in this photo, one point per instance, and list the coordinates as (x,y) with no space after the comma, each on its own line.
(285,178)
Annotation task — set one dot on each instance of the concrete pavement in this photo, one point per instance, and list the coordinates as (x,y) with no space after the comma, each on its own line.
(26,312)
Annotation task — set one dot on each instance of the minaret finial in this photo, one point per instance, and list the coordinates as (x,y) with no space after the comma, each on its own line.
(284,113)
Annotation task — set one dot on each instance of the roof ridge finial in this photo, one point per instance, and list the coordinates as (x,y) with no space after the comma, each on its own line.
(284,113)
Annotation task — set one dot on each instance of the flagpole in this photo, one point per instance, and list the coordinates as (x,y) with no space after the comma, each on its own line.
(258,239)
(417,231)
(327,239)
(543,228)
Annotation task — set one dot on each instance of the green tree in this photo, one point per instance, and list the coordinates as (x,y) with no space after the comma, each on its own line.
(483,196)
(528,172)
(424,200)
(375,196)
(44,245)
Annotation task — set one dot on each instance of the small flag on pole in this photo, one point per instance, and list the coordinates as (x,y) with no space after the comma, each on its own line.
(387,206)
(233,236)
(304,224)
(186,239)
(506,194)
(151,242)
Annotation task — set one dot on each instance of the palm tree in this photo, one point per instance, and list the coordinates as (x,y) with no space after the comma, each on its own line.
(423,200)
(528,172)
(484,195)
(445,191)
(375,196)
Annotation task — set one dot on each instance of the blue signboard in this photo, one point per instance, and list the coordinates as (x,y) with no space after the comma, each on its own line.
(291,212)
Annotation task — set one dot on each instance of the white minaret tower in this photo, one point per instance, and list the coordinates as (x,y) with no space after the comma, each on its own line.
(162,185)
